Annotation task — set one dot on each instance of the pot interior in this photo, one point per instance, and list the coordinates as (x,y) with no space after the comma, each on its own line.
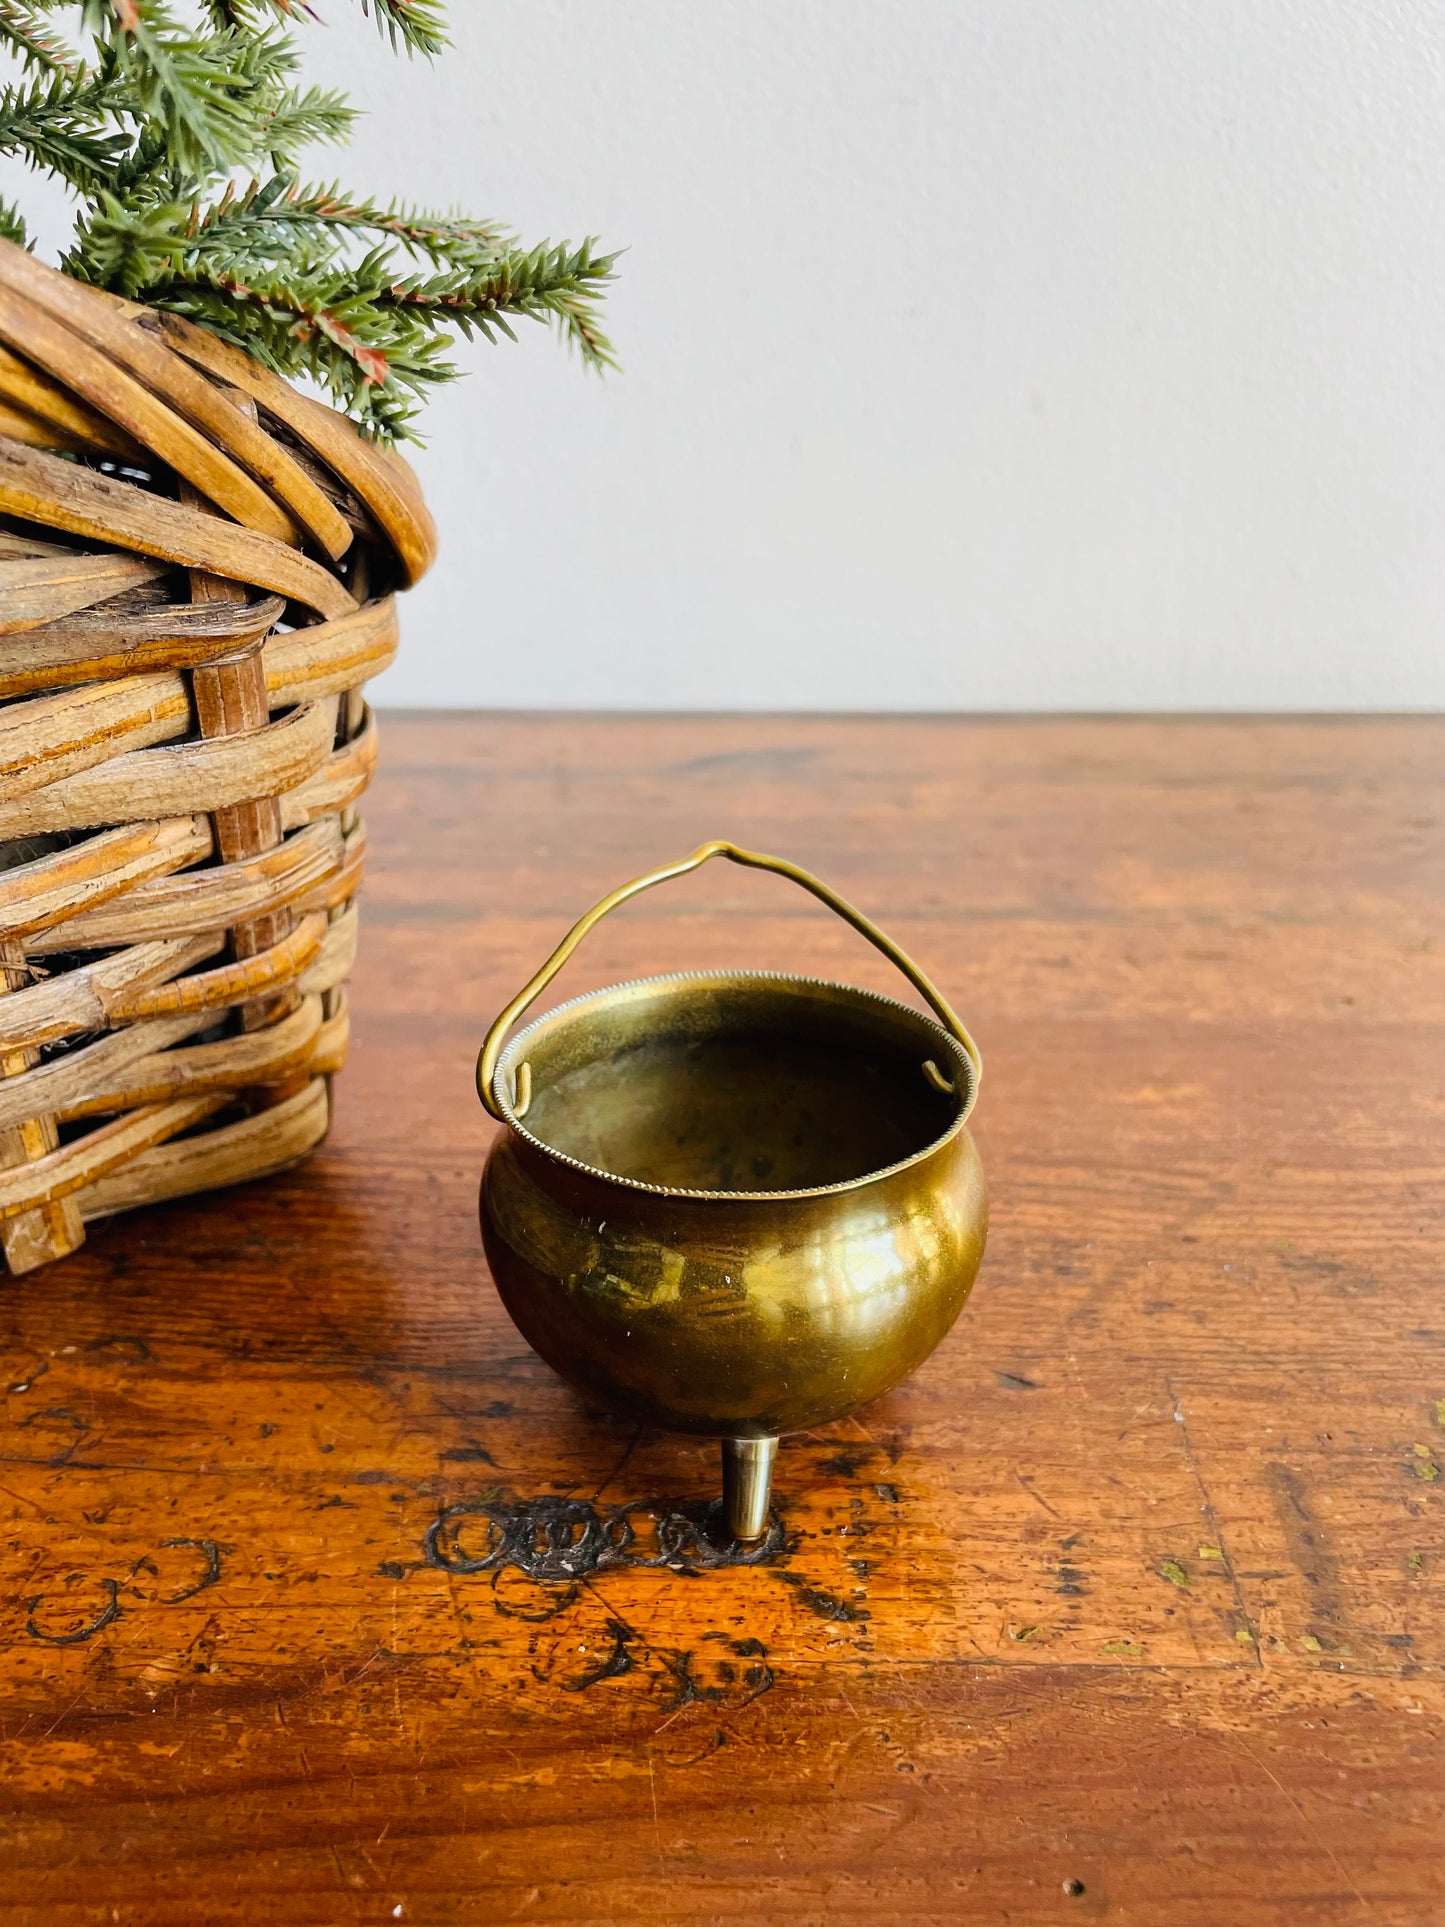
(738,1082)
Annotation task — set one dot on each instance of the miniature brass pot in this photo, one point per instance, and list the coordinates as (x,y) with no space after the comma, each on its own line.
(733,1203)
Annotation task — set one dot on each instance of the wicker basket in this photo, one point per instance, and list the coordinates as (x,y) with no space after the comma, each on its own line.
(196,576)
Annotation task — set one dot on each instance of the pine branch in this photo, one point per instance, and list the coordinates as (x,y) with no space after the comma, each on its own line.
(145,175)
(546,284)
(325,325)
(301,119)
(361,297)
(193,87)
(270,217)
(59,125)
(262,64)
(443,238)
(29,37)
(252,16)
(372,334)
(12,227)
(417,25)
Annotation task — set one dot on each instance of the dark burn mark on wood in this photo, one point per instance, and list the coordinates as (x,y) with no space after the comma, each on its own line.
(467,1455)
(689,1690)
(617,1662)
(122,1345)
(1073,1583)
(550,1603)
(843,1465)
(1016,1382)
(389,1569)
(887,1493)
(105,1617)
(699,1675)
(556,1540)
(37,1370)
(211,1551)
(719,1739)
(211,1572)
(824,1604)
(59,1415)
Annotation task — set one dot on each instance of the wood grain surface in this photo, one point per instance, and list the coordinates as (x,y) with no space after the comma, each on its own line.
(320,1602)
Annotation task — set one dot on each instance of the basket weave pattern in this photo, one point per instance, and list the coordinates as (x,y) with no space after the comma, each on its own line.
(197,566)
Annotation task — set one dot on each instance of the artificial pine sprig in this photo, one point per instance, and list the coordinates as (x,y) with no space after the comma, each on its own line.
(198,89)
(419,26)
(360,297)
(65,126)
(268,221)
(25,30)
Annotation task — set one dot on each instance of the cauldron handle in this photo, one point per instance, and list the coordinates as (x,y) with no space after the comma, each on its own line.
(496,1036)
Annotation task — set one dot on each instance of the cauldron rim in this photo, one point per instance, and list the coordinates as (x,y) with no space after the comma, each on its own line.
(957,1059)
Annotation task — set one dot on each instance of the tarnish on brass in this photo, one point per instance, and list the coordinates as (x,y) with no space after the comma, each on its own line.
(741,1204)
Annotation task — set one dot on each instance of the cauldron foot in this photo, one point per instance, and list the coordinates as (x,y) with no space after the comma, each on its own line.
(747,1485)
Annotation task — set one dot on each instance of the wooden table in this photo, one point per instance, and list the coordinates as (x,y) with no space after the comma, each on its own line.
(1128,1607)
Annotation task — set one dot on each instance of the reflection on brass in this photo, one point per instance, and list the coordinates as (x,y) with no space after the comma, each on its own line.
(740,1204)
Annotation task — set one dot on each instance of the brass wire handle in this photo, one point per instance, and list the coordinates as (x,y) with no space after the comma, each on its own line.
(753,860)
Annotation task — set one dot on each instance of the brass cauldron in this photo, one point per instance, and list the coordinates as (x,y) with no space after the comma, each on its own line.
(733,1203)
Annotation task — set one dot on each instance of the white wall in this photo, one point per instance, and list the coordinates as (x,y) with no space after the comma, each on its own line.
(979,353)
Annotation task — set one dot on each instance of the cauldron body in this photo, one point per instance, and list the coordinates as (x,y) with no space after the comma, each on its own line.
(734,1204)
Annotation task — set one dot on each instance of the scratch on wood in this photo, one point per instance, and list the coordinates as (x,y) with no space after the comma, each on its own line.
(656,1823)
(1247,1624)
